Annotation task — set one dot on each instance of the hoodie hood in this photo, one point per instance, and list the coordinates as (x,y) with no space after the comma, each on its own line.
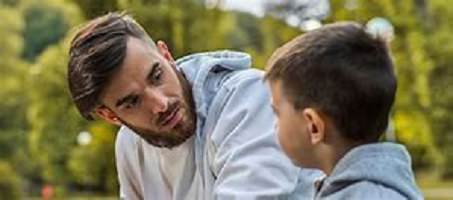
(384,164)
(198,67)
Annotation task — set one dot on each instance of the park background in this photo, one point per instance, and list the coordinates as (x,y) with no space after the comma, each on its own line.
(44,142)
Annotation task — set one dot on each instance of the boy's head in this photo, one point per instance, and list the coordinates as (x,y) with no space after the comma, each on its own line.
(331,86)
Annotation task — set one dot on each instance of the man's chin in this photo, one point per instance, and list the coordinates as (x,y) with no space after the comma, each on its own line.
(169,140)
(174,137)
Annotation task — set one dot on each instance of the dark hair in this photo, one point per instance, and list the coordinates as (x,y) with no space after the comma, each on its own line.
(342,71)
(96,53)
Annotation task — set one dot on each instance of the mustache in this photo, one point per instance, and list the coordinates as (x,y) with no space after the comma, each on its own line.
(163,117)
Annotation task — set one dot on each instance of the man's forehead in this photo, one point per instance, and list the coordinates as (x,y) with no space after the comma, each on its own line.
(137,61)
(141,46)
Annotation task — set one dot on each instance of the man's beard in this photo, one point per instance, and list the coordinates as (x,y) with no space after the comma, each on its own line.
(179,134)
(182,131)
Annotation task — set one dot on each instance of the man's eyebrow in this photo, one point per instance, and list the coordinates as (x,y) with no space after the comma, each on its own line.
(124,100)
(130,97)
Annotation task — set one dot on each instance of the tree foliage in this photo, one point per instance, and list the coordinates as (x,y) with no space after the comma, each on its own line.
(10,185)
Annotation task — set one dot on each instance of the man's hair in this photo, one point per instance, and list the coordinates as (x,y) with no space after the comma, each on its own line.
(96,53)
(342,71)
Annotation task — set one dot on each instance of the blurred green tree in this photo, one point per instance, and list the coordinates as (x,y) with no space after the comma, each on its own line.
(55,125)
(185,25)
(440,48)
(92,165)
(13,124)
(9,2)
(91,9)
(10,186)
(46,23)
(188,27)
(53,121)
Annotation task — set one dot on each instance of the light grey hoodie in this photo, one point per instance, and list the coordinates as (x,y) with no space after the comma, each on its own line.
(372,171)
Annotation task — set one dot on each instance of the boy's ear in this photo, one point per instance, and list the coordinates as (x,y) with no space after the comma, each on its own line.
(108,115)
(315,125)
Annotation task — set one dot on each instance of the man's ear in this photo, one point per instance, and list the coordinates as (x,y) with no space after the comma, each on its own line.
(108,115)
(163,50)
(315,125)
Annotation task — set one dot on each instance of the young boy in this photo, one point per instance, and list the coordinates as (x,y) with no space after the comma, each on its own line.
(332,90)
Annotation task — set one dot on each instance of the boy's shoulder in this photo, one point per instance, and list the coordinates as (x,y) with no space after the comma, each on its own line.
(380,170)
(365,190)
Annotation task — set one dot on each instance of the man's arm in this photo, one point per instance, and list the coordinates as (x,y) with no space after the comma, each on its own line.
(248,163)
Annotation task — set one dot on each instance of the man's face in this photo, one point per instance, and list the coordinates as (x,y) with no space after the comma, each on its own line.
(291,128)
(148,95)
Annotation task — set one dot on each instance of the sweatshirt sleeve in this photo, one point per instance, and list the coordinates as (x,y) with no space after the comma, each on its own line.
(248,163)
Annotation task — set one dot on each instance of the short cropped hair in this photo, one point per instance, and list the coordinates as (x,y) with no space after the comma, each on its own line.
(342,71)
(96,53)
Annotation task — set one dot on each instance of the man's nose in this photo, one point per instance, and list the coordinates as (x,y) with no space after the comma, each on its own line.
(156,100)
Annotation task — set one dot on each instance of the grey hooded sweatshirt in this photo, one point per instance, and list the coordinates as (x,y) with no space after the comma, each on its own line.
(372,171)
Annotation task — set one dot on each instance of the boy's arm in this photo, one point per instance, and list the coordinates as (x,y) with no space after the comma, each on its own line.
(248,163)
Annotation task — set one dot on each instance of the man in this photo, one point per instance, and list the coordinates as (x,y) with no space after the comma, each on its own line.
(197,128)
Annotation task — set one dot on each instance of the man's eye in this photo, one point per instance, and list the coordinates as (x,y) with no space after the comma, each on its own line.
(133,103)
(155,78)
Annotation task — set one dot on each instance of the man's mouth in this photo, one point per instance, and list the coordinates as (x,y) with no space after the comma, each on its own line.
(172,119)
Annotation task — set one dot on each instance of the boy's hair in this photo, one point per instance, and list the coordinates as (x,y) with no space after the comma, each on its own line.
(96,53)
(341,71)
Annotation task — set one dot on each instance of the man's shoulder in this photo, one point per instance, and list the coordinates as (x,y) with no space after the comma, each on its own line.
(241,97)
(221,87)
(126,139)
(239,78)
(240,83)
(237,87)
